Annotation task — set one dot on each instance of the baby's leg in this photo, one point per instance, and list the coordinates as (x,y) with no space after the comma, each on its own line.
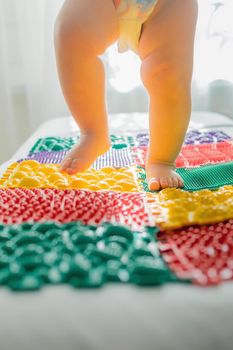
(166,50)
(83,30)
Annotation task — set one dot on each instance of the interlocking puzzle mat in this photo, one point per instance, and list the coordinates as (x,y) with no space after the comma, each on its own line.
(32,256)
(193,155)
(174,208)
(22,205)
(113,158)
(31,174)
(192,137)
(203,254)
(204,177)
(53,241)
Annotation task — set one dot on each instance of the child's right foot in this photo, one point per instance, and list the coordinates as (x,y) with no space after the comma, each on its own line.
(161,176)
(83,155)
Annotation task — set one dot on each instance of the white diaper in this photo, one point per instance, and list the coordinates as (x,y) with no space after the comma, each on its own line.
(132,14)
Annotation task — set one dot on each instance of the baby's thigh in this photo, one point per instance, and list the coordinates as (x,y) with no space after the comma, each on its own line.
(170,30)
(167,40)
(93,22)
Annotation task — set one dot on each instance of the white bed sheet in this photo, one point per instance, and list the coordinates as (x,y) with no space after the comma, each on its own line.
(176,317)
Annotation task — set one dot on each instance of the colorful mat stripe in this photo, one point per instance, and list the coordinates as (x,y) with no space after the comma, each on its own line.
(193,155)
(202,254)
(41,205)
(113,158)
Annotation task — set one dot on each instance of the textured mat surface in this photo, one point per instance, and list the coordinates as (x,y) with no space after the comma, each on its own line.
(117,158)
(120,142)
(142,139)
(66,143)
(204,177)
(31,174)
(203,254)
(54,144)
(47,157)
(174,208)
(192,137)
(203,154)
(211,176)
(113,158)
(198,137)
(193,155)
(21,205)
(46,241)
(35,255)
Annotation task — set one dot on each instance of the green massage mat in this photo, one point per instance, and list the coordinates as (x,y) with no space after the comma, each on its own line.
(204,177)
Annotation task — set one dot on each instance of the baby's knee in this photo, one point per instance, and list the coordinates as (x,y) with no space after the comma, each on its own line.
(165,72)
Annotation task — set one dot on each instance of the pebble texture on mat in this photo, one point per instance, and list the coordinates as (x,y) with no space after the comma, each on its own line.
(33,255)
(31,174)
(174,208)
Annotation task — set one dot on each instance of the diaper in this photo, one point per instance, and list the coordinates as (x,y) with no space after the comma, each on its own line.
(132,14)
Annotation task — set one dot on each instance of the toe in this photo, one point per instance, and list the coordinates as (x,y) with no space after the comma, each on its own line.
(70,171)
(164,182)
(181,184)
(65,164)
(75,166)
(180,181)
(170,181)
(175,182)
(154,184)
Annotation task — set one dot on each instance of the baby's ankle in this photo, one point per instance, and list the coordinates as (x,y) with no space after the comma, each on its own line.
(159,163)
(101,140)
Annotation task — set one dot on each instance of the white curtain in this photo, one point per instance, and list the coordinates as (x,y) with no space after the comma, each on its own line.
(29,87)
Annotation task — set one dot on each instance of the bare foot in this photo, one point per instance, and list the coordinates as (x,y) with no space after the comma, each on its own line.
(83,155)
(161,176)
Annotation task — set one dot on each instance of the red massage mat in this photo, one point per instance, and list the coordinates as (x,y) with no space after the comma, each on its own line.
(20,205)
(194,155)
(203,254)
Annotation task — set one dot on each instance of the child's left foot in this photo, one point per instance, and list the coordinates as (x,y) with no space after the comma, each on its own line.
(162,176)
(83,155)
